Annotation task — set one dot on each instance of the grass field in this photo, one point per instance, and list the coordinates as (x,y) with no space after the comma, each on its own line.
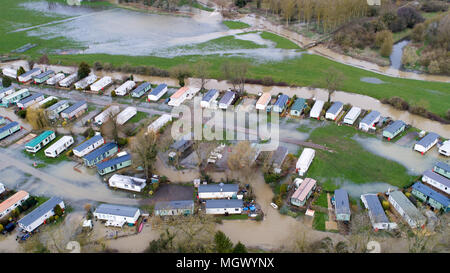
(322,201)
(319,220)
(350,161)
(280,41)
(235,24)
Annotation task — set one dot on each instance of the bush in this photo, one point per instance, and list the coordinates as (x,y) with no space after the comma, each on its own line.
(98,66)
(382,36)
(418,32)
(410,15)
(122,142)
(22,113)
(113,93)
(6,82)
(385,204)
(283,189)
(271,177)
(386,48)
(20,71)
(83,70)
(433,6)
(409,56)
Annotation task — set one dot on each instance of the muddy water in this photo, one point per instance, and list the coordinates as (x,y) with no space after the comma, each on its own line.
(356,190)
(397,53)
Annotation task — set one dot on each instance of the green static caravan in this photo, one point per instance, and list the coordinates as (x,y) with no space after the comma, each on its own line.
(15,97)
(442,169)
(141,90)
(298,107)
(100,154)
(9,129)
(182,207)
(431,197)
(40,141)
(43,77)
(114,164)
(393,129)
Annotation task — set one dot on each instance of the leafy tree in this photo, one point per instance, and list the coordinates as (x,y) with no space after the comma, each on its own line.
(239,248)
(223,244)
(83,70)
(386,47)
(58,210)
(240,3)
(20,71)
(6,82)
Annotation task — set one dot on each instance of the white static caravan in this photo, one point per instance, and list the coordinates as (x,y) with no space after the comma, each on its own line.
(30,100)
(159,123)
(426,143)
(368,122)
(106,114)
(406,209)
(317,109)
(28,76)
(376,212)
(445,148)
(126,114)
(84,83)
(74,110)
(226,99)
(352,115)
(117,215)
(263,101)
(124,88)
(217,191)
(55,79)
(44,101)
(158,92)
(10,72)
(224,206)
(38,216)
(66,82)
(334,110)
(59,146)
(182,94)
(6,91)
(101,84)
(304,161)
(436,180)
(209,97)
(127,182)
(89,145)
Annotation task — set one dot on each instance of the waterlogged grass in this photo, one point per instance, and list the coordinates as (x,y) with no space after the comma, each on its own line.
(235,24)
(222,43)
(42,160)
(281,42)
(350,161)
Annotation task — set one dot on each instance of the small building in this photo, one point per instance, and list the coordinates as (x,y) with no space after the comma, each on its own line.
(89,145)
(158,92)
(263,101)
(431,197)
(10,72)
(124,88)
(54,110)
(12,202)
(280,104)
(304,161)
(85,82)
(298,107)
(426,143)
(182,94)
(159,123)
(101,84)
(127,182)
(59,146)
(100,154)
(114,164)
(40,141)
(141,90)
(55,79)
(117,215)
(38,216)
(352,115)
(442,169)
(30,100)
(303,192)
(394,129)
(28,76)
(6,91)
(209,97)
(126,115)
(227,99)
(76,110)
(406,209)
(43,77)
(368,122)
(334,110)
(224,206)
(69,80)
(316,110)
(341,205)
(15,97)
(376,212)
(217,191)
(180,207)
(436,180)
(106,114)
(445,148)
(278,158)
(9,129)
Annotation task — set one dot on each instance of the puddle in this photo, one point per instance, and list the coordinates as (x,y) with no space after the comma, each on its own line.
(372,80)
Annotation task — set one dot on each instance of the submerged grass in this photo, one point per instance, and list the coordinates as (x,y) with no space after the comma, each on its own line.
(235,24)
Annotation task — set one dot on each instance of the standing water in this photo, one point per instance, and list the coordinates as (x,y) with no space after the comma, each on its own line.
(397,53)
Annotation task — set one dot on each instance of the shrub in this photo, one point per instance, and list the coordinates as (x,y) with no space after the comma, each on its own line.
(113,93)
(418,32)
(58,210)
(410,15)
(385,204)
(386,48)
(409,56)
(83,70)
(433,67)
(98,66)
(433,6)
(382,36)
(22,113)
(6,82)
(122,142)
(271,177)
(283,189)
(20,71)
(1,227)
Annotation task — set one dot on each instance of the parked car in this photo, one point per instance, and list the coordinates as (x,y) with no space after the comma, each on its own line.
(274,205)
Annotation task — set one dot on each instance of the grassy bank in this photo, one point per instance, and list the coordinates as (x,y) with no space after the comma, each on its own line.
(350,161)
(235,24)
(280,42)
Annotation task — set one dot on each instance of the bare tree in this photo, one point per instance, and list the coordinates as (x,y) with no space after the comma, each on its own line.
(236,73)
(333,80)
(288,8)
(201,71)
(144,150)
(241,159)
(37,118)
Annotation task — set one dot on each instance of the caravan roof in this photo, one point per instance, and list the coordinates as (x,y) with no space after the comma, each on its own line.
(101,150)
(445,201)
(117,210)
(8,126)
(209,95)
(341,201)
(88,143)
(334,109)
(114,161)
(227,98)
(35,141)
(393,127)
(428,139)
(371,117)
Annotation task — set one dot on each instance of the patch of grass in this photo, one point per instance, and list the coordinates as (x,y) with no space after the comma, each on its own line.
(303,128)
(350,161)
(235,217)
(222,43)
(319,220)
(235,24)
(43,160)
(322,201)
(138,117)
(280,41)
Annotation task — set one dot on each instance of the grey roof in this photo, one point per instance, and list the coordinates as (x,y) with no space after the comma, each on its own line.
(88,143)
(117,210)
(97,152)
(407,206)
(30,98)
(209,95)
(112,162)
(334,109)
(74,107)
(227,98)
(443,166)
(395,126)
(44,74)
(428,139)
(6,89)
(141,87)
(224,203)
(218,188)
(279,155)
(31,217)
(181,204)
(158,89)
(375,208)
(8,126)
(56,105)
(281,101)
(299,104)
(341,201)
(30,72)
(427,191)
(186,139)
(437,177)
(371,117)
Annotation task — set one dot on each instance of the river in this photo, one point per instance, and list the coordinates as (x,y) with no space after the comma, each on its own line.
(397,53)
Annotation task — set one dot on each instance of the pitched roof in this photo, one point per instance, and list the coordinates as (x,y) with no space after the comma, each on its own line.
(221,187)
(8,126)
(44,74)
(395,126)
(180,204)
(141,87)
(209,95)
(74,107)
(281,101)
(334,109)
(179,92)
(224,203)
(443,200)
(158,89)
(88,143)
(31,217)
(299,104)
(117,210)
(35,141)
(264,99)
(371,117)
(129,180)
(30,98)
(428,139)
(437,177)
(114,161)
(406,205)
(12,200)
(97,152)
(304,188)
(57,105)
(6,89)
(375,208)
(227,98)
(279,155)
(30,72)
(443,166)
(341,201)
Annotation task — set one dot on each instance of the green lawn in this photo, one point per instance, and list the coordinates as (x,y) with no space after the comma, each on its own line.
(280,41)
(138,117)
(322,201)
(235,217)
(350,161)
(235,24)
(43,160)
(222,43)
(319,220)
